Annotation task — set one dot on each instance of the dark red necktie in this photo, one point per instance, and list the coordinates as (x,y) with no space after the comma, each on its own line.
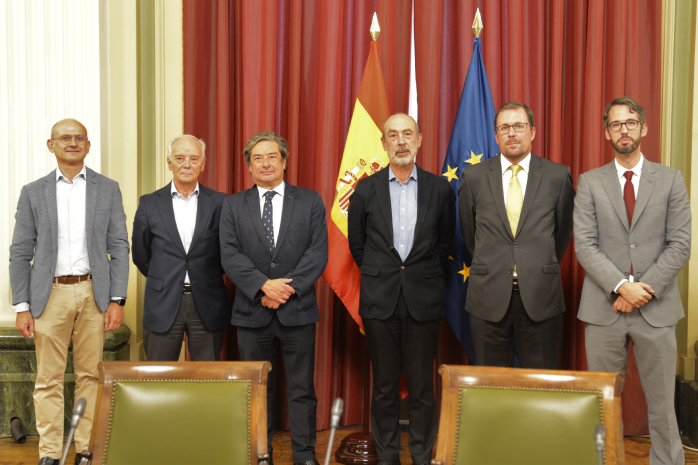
(629,199)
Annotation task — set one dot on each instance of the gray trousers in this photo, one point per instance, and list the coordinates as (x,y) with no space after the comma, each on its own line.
(655,353)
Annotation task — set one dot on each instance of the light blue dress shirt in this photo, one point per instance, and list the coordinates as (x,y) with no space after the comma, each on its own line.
(403,202)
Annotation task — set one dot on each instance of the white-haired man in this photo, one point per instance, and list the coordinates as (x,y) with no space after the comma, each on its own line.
(176,247)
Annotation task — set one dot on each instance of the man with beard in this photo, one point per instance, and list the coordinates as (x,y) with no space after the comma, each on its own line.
(400,228)
(632,227)
(516,220)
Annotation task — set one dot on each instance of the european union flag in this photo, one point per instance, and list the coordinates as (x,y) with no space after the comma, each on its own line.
(472,141)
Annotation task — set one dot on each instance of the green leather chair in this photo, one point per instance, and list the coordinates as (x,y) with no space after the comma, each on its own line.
(498,416)
(181,413)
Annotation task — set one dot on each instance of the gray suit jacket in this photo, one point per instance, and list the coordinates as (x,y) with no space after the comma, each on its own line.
(658,243)
(544,232)
(36,238)
(300,254)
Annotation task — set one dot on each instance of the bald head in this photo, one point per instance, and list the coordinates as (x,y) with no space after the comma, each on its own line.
(404,117)
(67,123)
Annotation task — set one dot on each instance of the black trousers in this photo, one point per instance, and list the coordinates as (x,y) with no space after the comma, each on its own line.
(396,344)
(297,344)
(204,344)
(537,343)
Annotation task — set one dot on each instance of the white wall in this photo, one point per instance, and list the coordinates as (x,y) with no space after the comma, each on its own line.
(49,70)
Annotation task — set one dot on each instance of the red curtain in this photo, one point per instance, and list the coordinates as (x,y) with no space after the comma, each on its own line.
(294,66)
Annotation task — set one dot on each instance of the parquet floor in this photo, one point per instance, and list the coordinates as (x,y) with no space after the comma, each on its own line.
(636,449)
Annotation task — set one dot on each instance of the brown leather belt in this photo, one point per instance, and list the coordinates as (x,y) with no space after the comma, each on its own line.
(186,289)
(71,279)
(515,284)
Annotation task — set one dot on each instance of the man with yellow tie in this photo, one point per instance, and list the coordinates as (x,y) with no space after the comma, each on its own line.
(515,214)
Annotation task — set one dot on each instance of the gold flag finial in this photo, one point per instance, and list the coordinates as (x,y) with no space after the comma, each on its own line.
(477,24)
(375,28)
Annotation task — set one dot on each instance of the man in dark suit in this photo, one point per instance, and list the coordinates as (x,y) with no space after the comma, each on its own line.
(401,227)
(516,220)
(274,248)
(632,228)
(176,247)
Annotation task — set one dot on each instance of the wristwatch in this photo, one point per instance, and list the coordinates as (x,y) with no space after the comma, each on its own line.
(121,302)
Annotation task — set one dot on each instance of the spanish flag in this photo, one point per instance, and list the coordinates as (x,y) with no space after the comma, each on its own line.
(363,156)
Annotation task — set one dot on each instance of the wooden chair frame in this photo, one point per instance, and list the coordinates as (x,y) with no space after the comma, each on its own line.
(454,377)
(111,372)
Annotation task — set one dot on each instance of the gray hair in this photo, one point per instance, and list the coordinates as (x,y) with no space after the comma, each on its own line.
(186,136)
(265,136)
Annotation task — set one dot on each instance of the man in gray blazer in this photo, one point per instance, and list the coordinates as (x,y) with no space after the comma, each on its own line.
(632,227)
(516,219)
(274,248)
(71,223)
(176,246)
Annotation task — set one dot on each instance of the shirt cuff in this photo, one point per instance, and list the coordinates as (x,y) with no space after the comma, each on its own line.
(622,281)
(113,298)
(22,307)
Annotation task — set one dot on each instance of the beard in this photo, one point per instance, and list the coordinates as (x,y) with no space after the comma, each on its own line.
(624,149)
(402,161)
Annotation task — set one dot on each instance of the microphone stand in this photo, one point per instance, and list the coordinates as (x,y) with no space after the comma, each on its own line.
(78,411)
(337,409)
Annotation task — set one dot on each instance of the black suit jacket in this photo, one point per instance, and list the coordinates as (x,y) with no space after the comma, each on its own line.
(383,272)
(159,254)
(544,232)
(300,254)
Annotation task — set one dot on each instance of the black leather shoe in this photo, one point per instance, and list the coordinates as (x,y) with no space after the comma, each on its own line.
(80,456)
(48,461)
(307,462)
(389,462)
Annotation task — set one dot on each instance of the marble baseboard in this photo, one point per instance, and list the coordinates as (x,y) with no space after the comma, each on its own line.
(18,374)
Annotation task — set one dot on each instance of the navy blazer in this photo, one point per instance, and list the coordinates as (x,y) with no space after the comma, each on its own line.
(159,254)
(383,272)
(300,254)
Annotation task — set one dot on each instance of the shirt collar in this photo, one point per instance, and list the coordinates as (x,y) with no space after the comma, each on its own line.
(174,192)
(637,169)
(392,177)
(83,173)
(280,189)
(524,164)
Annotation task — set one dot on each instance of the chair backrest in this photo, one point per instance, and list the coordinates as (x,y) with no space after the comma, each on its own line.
(519,416)
(193,412)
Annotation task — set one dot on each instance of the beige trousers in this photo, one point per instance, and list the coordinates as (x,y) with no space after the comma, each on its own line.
(71,311)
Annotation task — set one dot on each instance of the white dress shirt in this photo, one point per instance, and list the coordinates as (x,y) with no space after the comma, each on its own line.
(72,258)
(277,204)
(185,216)
(637,172)
(507,173)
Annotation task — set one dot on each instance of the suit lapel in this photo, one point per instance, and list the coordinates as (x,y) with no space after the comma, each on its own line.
(256,215)
(49,190)
(167,214)
(611,184)
(423,194)
(380,181)
(203,211)
(498,192)
(647,182)
(286,213)
(534,177)
(90,204)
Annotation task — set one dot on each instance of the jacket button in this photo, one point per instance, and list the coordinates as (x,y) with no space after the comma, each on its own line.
(181,283)
(402,267)
(516,245)
(632,246)
(273,265)
(188,260)
(509,271)
(391,247)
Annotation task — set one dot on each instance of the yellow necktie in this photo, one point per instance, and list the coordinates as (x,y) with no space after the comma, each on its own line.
(514,199)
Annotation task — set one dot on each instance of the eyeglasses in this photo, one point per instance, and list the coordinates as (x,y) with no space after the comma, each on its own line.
(518,127)
(67,138)
(630,125)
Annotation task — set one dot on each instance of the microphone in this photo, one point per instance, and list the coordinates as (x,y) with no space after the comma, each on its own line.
(600,438)
(78,411)
(337,410)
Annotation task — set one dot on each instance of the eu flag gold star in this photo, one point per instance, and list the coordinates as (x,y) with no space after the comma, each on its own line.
(465,272)
(450,173)
(474,159)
